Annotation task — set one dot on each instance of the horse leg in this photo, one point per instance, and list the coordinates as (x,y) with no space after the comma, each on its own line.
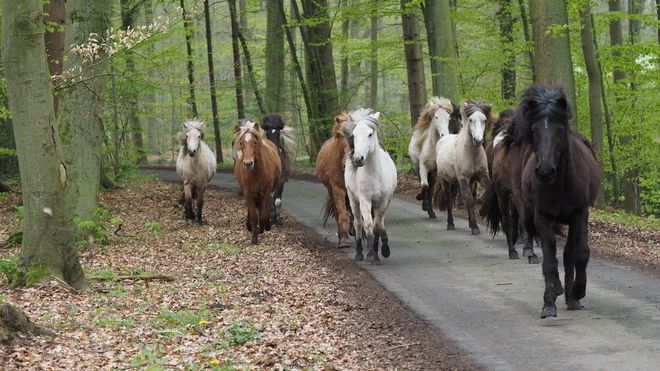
(509,224)
(276,204)
(528,243)
(576,258)
(264,214)
(200,204)
(359,232)
(187,205)
(432,177)
(424,183)
(449,199)
(368,233)
(253,220)
(341,216)
(553,286)
(466,191)
(381,234)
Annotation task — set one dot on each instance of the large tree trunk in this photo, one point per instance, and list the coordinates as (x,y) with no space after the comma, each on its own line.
(48,235)
(595,88)
(553,52)
(414,62)
(437,16)
(275,53)
(238,80)
(373,73)
(214,98)
(82,109)
(54,12)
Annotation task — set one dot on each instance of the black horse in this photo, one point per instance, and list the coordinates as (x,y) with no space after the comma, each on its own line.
(560,179)
(282,136)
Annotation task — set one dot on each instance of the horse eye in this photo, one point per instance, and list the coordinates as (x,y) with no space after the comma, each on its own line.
(371,134)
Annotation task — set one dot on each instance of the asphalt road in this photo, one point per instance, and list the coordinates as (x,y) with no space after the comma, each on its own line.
(490,305)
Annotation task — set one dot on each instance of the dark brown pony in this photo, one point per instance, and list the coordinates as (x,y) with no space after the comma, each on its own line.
(560,180)
(257,169)
(330,164)
(282,136)
(502,200)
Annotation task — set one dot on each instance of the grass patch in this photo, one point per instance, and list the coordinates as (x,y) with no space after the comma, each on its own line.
(620,216)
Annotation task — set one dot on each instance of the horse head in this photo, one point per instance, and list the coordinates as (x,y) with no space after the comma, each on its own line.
(476,116)
(247,140)
(273,124)
(192,137)
(546,113)
(361,134)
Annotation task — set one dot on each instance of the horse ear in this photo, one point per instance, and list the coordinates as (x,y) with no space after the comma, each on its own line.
(256,126)
(377,115)
(237,129)
(563,103)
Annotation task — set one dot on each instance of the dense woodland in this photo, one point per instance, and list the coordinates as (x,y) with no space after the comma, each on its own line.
(124,76)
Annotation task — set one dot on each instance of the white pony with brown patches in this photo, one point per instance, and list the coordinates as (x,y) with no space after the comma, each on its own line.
(195,165)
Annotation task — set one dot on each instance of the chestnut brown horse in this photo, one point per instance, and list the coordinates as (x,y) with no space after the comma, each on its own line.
(257,169)
(330,171)
(560,179)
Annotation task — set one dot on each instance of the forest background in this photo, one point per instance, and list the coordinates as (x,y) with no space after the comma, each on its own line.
(124,75)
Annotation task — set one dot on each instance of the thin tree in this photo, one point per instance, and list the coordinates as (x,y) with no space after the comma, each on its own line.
(48,247)
(275,55)
(373,73)
(189,52)
(214,100)
(414,61)
(238,79)
(508,69)
(595,87)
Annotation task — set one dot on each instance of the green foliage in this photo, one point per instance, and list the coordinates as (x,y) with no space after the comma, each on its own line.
(239,334)
(153,227)
(16,238)
(91,231)
(8,268)
(37,273)
(151,359)
(620,216)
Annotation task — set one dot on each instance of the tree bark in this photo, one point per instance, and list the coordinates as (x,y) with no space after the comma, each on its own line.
(437,16)
(414,62)
(373,77)
(214,98)
(553,54)
(595,88)
(238,79)
(191,67)
(48,235)
(55,15)
(508,69)
(275,52)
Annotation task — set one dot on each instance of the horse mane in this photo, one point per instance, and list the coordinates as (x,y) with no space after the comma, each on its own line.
(470,107)
(272,121)
(340,120)
(426,117)
(257,131)
(504,120)
(541,102)
(366,114)
(189,125)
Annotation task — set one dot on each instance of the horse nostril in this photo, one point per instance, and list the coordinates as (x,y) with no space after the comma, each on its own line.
(192,152)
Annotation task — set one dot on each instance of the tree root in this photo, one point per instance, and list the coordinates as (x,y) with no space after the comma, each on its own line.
(13,322)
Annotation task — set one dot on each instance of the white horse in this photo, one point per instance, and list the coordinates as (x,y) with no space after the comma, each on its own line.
(370,177)
(195,166)
(461,161)
(433,124)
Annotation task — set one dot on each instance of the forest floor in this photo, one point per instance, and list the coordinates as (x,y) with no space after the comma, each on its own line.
(293,302)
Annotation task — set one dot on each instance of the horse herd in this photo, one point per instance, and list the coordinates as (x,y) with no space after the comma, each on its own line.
(536,172)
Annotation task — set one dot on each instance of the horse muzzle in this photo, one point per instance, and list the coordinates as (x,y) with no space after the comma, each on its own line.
(358,161)
(478,141)
(192,152)
(545,174)
(248,165)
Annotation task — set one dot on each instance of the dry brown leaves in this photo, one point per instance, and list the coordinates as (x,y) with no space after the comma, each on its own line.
(293,302)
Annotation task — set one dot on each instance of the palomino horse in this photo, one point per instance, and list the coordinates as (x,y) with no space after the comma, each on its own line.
(330,171)
(258,169)
(283,137)
(435,121)
(370,177)
(502,200)
(195,165)
(560,180)
(461,161)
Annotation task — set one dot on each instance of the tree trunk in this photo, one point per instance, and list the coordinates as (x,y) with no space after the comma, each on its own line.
(373,76)
(275,67)
(238,80)
(82,109)
(54,12)
(553,52)
(508,69)
(528,37)
(595,88)
(150,98)
(437,16)
(48,235)
(414,62)
(214,98)
(191,71)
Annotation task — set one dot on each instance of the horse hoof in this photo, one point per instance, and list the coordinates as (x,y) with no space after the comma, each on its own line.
(573,304)
(419,197)
(451,227)
(359,257)
(513,255)
(343,244)
(475,231)
(533,259)
(255,241)
(385,251)
(375,262)
(432,215)
(549,312)
(528,251)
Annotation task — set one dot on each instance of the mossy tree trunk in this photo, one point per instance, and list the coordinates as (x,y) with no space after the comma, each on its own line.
(48,235)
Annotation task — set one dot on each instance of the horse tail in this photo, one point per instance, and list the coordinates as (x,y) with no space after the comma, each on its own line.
(490,209)
(328,210)
(288,144)
(440,200)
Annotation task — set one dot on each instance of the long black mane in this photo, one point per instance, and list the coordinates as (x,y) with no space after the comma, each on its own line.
(540,102)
